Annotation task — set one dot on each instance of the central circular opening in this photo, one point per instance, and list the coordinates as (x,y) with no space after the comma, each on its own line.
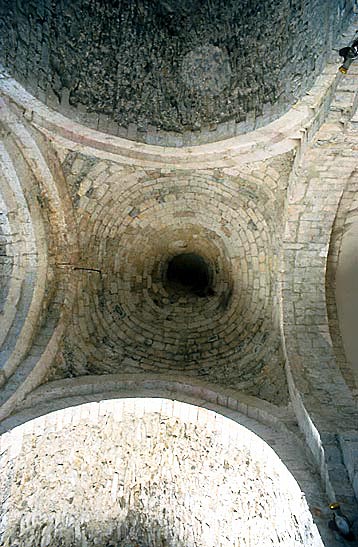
(189,272)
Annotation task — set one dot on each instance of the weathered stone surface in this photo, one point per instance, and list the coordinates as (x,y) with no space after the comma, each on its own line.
(95,220)
(130,318)
(205,70)
(145,472)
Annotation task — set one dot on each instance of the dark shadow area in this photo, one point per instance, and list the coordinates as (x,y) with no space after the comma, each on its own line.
(190,273)
(181,67)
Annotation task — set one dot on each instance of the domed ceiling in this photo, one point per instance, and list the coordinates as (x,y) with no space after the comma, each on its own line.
(169,72)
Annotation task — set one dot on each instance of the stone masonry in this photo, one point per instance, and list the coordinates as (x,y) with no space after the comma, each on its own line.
(161,272)
(147,471)
(171,73)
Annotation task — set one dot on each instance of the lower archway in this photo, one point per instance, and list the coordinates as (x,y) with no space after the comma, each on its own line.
(147,472)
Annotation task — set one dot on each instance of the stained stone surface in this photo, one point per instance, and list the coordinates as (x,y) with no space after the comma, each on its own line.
(170,72)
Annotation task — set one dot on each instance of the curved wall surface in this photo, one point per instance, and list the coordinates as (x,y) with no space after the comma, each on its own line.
(169,72)
(147,472)
(347,296)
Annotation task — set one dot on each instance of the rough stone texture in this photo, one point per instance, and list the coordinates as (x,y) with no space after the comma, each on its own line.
(167,71)
(314,195)
(323,401)
(128,319)
(157,473)
(94,220)
(36,228)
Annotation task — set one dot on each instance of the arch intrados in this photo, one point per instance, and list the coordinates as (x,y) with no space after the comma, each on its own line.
(231,429)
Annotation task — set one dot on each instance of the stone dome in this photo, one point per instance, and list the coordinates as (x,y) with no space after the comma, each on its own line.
(167,226)
(219,275)
(168,72)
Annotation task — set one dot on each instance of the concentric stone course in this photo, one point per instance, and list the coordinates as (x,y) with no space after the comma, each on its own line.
(129,317)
